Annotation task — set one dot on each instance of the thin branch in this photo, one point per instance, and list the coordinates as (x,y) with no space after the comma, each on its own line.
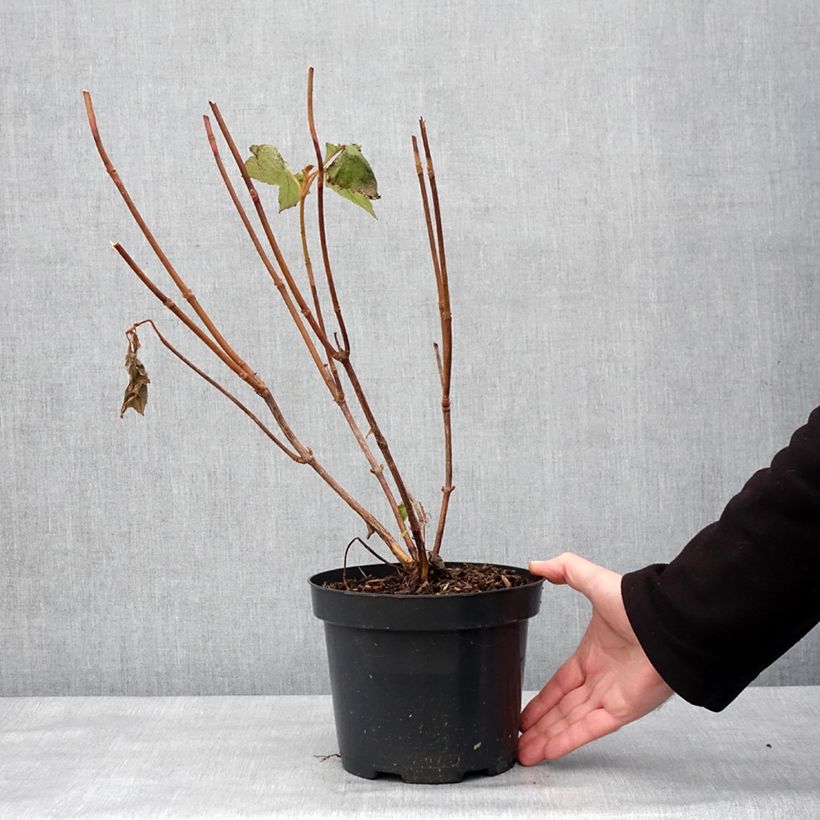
(253,417)
(186,292)
(375,468)
(429,222)
(305,453)
(277,280)
(320,207)
(347,550)
(446,318)
(307,179)
(438,363)
(263,219)
(446,313)
(412,518)
(330,378)
(254,381)
(366,515)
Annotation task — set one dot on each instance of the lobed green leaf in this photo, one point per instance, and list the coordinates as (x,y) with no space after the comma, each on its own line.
(267,166)
(351,176)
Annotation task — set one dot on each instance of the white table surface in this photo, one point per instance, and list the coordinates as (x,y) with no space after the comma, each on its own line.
(259,756)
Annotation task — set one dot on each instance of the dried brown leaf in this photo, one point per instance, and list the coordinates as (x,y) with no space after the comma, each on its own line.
(136,393)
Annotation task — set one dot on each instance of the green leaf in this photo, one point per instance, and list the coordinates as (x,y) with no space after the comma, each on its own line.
(267,165)
(330,150)
(403,512)
(360,199)
(351,176)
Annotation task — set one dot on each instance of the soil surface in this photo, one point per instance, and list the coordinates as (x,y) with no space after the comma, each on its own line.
(443,580)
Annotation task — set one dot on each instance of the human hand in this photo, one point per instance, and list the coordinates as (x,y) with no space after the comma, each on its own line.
(606,684)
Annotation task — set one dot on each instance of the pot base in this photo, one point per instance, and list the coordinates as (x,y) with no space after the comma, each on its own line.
(425,776)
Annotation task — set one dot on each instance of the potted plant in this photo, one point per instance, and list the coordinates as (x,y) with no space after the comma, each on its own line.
(426,657)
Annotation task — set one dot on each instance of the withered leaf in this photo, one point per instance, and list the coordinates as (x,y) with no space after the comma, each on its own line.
(136,393)
(421,513)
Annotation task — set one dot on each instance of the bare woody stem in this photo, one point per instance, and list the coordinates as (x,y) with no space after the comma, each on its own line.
(381,441)
(269,235)
(251,415)
(442,283)
(277,280)
(363,513)
(375,468)
(304,454)
(186,292)
(307,179)
(412,517)
(255,382)
(340,355)
(320,209)
(329,376)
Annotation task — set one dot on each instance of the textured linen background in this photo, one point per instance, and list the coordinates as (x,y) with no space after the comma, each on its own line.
(630,196)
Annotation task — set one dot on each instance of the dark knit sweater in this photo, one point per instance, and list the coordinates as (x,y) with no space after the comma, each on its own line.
(744,589)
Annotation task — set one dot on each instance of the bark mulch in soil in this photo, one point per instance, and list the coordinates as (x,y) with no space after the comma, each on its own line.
(443,580)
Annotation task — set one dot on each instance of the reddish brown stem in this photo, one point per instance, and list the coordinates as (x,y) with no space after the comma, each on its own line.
(375,468)
(329,376)
(253,417)
(442,283)
(277,280)
(254,381)
(305,454)
(412,518)
(307,180)
(186,292)
(269,235)
(320,208)
(364,514)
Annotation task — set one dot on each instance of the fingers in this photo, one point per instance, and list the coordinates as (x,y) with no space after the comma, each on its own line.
(571,707)
(585,723)
(570,569)
(591,726)
(555,723)
(564,681)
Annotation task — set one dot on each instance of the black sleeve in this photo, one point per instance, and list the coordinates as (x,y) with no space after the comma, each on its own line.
(744,589)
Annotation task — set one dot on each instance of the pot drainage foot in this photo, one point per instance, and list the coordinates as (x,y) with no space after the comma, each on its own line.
(500,768)
(361,771)
(429,776)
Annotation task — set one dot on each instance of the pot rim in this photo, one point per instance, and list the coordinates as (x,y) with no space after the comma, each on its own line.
(532,581)
(423,612)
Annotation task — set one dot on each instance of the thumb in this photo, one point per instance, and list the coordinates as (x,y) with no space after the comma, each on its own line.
(570,569)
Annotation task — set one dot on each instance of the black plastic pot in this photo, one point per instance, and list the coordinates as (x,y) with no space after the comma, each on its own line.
(426,687)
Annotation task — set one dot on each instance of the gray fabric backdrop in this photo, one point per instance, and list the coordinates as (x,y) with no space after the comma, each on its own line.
(630,193)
